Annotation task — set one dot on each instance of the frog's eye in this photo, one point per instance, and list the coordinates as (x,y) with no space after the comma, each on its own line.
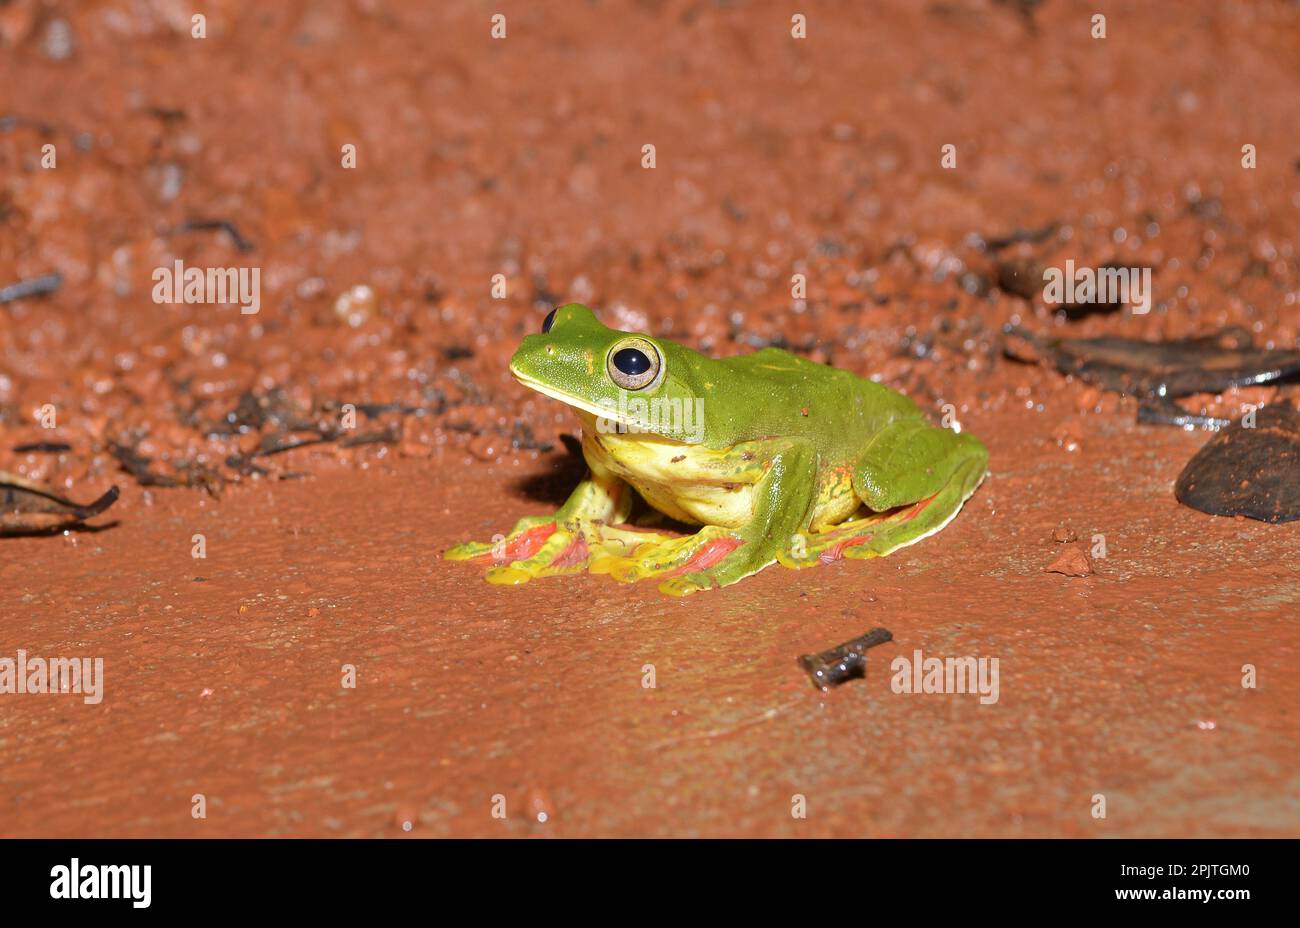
(549,320)
(634,364)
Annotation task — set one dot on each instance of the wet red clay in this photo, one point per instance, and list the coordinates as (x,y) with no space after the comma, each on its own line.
(1126,683)
(224,675)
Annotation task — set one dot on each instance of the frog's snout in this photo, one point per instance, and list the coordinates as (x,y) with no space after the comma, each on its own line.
(526,349)
(514,362)
(541,358)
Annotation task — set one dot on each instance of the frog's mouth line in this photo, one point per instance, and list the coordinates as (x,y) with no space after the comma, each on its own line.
(600,412)
(567,399)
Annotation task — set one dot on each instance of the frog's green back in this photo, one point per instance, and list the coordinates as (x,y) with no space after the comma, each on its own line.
(773,393)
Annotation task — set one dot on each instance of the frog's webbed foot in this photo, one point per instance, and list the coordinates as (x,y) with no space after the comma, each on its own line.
(536,547)
(720,562)
(548,546)
(563,550)
(873,535)
(654,555)
(545,547)
(855,538)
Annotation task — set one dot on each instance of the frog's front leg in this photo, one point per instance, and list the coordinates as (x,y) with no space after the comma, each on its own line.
(783,500)
(544,546)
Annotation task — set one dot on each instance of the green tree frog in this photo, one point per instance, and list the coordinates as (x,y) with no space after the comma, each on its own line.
(776,458)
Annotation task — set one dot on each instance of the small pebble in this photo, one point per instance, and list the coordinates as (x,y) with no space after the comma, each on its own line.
(1073,562)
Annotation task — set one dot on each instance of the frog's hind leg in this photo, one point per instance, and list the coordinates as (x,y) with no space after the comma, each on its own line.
(921,519)
(919,476)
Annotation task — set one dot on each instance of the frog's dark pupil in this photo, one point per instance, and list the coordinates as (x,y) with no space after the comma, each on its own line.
(631,361)
(549,321)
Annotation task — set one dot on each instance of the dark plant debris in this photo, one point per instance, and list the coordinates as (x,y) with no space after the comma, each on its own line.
(193,474)
(1024,277)
(32,286)
(289,429)
(27,508)
(1018,236)
(43,447)
(220,225)
(845,662)
(1157,372)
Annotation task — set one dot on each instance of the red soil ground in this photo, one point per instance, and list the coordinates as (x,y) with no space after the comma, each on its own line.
(522,157)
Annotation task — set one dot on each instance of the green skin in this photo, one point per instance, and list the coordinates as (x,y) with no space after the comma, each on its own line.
(793,462)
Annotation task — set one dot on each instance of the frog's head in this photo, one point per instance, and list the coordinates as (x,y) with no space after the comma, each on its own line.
(625,379)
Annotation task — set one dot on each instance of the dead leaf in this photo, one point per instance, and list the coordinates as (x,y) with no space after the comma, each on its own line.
(1180,367)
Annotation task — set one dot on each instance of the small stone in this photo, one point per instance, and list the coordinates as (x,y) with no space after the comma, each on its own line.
(1073,562)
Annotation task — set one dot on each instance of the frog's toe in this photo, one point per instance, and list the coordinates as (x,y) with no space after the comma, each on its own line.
(860,552)
(508,576)
(528,536)
(685,585)
(646,560)
(623,568)
(468,551)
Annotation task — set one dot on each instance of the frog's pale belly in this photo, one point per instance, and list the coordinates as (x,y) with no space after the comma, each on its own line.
(731,506)
(689,483)
(702,486)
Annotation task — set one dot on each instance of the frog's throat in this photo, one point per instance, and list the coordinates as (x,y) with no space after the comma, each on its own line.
(577,402)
